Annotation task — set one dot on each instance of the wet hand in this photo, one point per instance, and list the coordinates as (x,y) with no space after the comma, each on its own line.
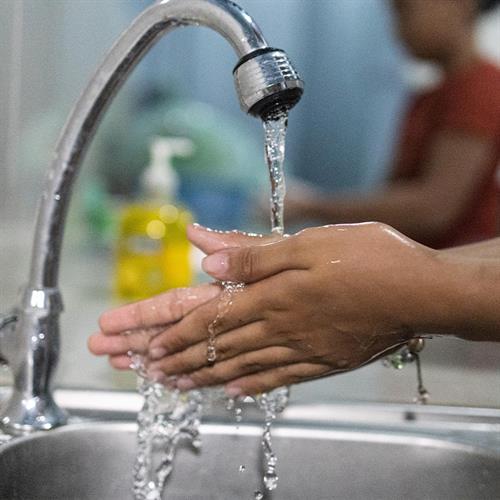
(323,301)
(131,327)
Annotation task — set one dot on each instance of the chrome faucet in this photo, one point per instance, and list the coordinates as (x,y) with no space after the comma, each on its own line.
(266,83)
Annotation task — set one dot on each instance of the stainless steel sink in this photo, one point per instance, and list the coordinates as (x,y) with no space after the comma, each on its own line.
(317,461)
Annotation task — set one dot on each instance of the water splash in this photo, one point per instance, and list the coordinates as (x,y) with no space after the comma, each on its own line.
(272,403)
(423,395)
(408,354)
(166,417)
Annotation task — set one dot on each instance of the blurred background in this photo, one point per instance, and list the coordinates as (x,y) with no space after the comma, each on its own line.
(341,136)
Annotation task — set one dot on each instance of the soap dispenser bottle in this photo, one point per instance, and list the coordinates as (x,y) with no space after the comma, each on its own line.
(153,252)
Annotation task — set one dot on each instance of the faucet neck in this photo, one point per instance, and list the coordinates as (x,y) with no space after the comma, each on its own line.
(33,348)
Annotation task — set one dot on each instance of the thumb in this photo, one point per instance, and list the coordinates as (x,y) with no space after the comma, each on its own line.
(253,263)
(210,241)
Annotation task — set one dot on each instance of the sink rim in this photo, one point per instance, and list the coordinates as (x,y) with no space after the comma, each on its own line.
(464,426)
(280,429)
(127,403)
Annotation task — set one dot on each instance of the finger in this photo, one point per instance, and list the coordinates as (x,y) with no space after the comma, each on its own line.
(121,362)
(159,310)
(268,380)
(100,344)
(250,362)
(210,241)
(250,337)
(250,264)
(220,315)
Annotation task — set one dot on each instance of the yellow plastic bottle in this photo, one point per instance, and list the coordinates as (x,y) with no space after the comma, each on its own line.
(153,253)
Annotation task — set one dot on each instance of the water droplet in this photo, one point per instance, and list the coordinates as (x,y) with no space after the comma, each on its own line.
(271,481)
(258,495)
(211,354)
(223,307)
(422,397)
(237,415)
(242,468)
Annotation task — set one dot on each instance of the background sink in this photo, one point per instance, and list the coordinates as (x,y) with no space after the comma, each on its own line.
(94,461)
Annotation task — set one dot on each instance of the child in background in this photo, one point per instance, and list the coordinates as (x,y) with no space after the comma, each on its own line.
(442,189)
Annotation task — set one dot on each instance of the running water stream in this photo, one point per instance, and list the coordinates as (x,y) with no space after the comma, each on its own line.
(274,402)
(168,415)
(275,135)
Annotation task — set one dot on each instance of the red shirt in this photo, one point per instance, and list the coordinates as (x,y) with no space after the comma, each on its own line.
(468,102)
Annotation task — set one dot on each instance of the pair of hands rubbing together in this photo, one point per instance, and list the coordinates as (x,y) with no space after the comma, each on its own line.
(325,300)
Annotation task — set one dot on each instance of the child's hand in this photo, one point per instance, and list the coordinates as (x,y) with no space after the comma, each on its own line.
(131,327)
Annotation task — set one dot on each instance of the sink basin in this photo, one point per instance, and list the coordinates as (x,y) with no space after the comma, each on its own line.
(318,462)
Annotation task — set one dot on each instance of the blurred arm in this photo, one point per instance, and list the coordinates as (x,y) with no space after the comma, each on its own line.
(424,208)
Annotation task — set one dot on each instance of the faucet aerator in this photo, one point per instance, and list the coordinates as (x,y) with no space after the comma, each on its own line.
(267,83)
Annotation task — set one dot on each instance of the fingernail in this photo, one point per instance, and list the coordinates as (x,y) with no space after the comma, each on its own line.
(157,376)
(233,392)
(215,264)
(157,352)
(185,384)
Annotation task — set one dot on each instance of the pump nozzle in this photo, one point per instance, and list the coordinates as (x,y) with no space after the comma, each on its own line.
(160,177)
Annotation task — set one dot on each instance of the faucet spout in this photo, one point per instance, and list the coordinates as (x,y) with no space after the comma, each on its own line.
(266,83)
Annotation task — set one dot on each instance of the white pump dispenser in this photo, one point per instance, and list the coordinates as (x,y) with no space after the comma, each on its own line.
(153,252)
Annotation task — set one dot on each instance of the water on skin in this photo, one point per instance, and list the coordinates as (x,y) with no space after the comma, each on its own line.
(223,306)
(167,416)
